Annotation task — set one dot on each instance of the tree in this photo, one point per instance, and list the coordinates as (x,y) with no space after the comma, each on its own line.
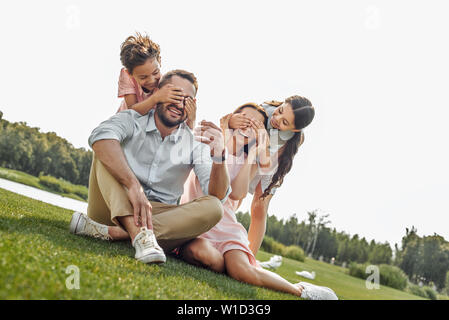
(27,149)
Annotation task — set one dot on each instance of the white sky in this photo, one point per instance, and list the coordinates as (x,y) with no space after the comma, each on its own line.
(376,155)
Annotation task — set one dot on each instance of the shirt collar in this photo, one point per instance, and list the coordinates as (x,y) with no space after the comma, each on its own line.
(151,126)
(175,136)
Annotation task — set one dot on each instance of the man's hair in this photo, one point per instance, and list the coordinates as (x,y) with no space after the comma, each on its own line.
(137,49)
(180,73)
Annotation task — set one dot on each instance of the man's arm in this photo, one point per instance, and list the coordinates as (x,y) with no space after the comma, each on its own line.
(110,153)
(105,141)
(218,182)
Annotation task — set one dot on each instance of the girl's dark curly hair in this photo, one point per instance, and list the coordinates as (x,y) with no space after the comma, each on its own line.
(137,49)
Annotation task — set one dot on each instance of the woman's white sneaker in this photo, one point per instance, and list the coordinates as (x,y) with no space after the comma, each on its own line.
(147,248)
(314,292)
(82,225)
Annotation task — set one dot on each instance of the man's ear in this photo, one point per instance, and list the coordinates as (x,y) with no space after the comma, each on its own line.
(127,71)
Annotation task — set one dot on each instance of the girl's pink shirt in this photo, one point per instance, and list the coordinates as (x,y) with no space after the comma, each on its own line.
(127,85)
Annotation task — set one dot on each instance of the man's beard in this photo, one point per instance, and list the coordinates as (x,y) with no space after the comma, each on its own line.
(165,121)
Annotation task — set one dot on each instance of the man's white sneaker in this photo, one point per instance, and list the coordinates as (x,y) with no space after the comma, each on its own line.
(314,292)
(81,224)
(147,248)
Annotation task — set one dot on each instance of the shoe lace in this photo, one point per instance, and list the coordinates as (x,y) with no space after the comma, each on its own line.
(313,292)
(147,240)
(93,230)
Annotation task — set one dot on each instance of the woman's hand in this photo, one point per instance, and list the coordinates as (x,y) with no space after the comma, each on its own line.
(262,143)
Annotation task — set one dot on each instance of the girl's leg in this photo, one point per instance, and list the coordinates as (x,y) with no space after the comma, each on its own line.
(201,253)
(238,267)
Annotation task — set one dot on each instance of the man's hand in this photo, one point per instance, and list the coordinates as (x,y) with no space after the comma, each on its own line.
(239,121)
(141,205)
(169,94)
(190,109)
(224,125)
(211,135)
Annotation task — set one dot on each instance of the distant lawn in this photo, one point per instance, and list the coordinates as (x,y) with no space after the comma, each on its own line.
(46,183)
(36,248)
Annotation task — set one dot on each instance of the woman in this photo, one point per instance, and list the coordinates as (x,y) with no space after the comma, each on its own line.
(286,121)
(226,247)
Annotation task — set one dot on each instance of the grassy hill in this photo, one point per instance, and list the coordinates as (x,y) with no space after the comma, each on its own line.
(46,183)
(36,248)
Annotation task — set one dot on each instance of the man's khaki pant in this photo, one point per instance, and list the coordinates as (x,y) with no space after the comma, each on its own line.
(173,224)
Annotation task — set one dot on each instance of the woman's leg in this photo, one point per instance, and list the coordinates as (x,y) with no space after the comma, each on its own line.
(201,253)
(239,268)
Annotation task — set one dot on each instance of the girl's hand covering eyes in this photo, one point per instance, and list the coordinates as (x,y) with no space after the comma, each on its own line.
(169,94)
(239,121)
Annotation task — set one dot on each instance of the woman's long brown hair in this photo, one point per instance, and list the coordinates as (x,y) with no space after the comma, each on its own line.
(304,114)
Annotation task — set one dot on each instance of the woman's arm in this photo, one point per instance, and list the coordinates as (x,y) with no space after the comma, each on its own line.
(259,210)
(240,184)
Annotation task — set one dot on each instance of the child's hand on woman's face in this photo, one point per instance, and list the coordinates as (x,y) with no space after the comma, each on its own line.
(239,121)
(169,94)
(262,138)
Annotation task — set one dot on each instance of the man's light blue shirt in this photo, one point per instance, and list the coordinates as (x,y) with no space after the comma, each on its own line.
(161,165)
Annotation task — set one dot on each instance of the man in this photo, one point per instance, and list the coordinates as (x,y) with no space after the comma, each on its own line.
(138,172)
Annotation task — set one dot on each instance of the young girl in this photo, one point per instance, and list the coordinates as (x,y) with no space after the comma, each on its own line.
(286,121)
(225,247)
(139,79)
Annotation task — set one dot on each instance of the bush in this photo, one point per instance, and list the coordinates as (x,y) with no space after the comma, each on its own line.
(431,294)
(358,270)
(446,289)
(272,246)
(51,183)
(295,253)
(390,276)
(425,291)
(64,187)
(416,290)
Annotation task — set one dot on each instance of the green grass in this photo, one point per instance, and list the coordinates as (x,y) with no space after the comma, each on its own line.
(36,248)
(67,189)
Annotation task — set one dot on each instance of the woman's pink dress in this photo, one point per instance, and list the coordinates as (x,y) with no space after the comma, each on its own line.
(228,234)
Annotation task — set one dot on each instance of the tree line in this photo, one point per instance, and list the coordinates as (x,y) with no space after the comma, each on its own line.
(423,259)
(27,149)
(319,240)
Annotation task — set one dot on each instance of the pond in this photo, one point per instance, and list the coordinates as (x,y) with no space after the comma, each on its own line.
(44,196)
